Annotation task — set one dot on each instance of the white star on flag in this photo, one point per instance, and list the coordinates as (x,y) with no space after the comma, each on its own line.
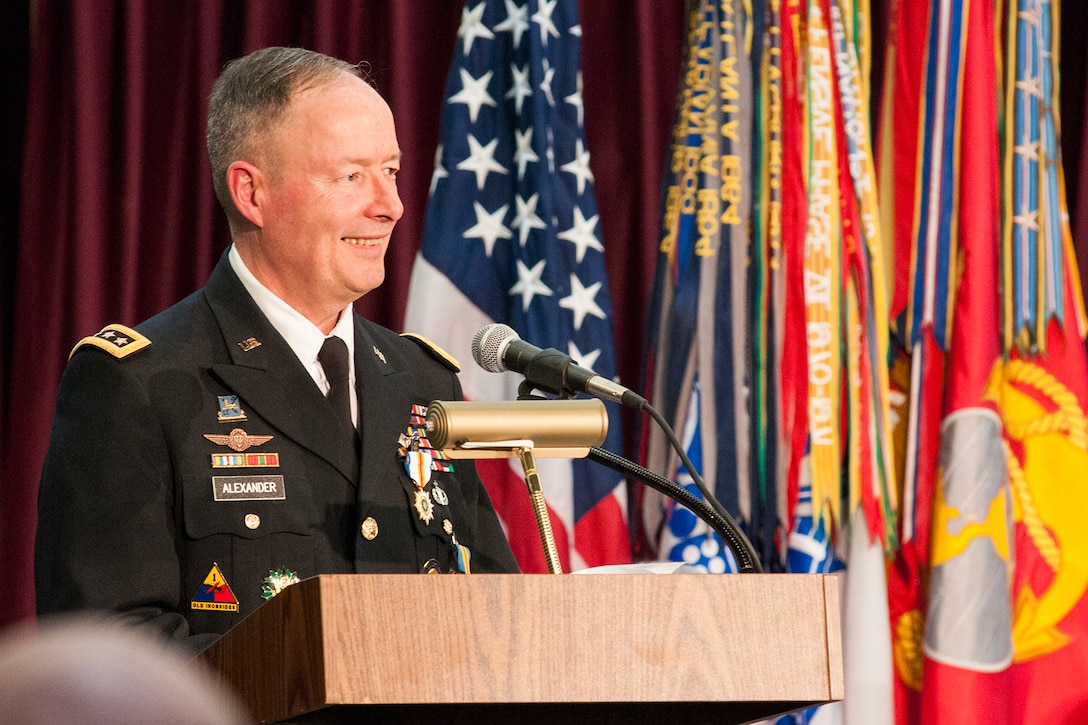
(481,160)
(586,360)
(582,234)
(524,154)
(474,93)
(520,90)
(526,219)
(543,18)
(581,301)
(472,26)
(488,227)
(439,170)
(517,21)
(575,99)
(579,167)
(529,284)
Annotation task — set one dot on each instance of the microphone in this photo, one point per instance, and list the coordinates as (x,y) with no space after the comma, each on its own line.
(556,428)
(497,348)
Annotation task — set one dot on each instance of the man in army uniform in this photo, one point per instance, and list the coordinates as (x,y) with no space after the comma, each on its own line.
(260,432)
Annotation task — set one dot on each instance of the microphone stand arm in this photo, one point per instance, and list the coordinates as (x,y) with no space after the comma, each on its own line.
(724,526)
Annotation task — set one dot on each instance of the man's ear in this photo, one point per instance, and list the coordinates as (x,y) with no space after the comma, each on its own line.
(246,184)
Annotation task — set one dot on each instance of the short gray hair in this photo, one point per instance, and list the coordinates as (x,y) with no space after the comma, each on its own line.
(252,95)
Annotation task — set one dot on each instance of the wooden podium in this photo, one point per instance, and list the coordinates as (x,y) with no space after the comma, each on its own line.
(537,648)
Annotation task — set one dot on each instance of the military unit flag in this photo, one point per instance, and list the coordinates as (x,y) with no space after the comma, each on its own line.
(868,332)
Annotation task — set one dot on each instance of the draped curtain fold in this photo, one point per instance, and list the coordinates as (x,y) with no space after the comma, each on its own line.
(118,217)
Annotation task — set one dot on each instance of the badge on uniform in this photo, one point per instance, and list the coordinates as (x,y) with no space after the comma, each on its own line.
(215,594)
(237,440)
(230,409)
(277,581)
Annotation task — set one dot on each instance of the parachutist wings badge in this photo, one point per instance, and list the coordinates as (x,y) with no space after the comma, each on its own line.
(237,439)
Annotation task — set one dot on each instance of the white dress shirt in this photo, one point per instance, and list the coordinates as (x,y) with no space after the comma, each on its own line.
(303,336)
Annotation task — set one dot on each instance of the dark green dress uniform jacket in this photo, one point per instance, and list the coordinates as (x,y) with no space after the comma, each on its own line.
(129,519)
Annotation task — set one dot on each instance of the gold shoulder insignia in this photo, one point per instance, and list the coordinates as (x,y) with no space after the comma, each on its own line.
(117,340)
(436,352)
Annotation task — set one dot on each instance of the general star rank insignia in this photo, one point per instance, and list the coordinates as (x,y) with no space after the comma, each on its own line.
(237,439)
(215,594)
(117,340)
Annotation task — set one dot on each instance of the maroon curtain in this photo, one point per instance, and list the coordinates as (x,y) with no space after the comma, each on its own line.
(118,217)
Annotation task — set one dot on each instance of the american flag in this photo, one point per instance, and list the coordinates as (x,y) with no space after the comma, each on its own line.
(512,236)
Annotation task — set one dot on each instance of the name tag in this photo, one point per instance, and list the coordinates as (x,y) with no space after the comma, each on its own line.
(248,488)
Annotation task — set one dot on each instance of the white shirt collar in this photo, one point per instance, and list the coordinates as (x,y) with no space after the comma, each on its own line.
(303,336)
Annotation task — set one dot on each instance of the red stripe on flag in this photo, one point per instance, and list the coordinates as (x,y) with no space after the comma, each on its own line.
(595,534)
(510,498)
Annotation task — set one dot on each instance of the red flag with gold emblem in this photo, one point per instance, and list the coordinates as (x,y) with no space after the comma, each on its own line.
(1006,636)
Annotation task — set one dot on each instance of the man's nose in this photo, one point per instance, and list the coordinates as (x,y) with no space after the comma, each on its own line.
(385,199)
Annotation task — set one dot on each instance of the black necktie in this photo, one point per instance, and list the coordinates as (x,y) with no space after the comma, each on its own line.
(334,359)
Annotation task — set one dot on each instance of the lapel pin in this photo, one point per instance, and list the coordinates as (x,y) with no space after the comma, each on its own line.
(230,409)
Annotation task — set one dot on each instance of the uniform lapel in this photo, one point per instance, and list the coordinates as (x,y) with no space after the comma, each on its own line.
(385,398)
(267,375)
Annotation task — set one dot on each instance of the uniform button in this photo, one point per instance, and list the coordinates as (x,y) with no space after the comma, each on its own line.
(252,521)
(369,528)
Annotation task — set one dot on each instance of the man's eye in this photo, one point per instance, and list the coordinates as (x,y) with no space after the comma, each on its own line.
(353,176)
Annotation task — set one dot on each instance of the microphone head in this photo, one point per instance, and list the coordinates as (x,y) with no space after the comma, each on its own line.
(490,343)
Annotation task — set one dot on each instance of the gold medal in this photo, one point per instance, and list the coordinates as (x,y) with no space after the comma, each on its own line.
(423,506)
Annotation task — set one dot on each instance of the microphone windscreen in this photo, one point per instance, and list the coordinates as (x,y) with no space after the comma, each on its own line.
(489,344)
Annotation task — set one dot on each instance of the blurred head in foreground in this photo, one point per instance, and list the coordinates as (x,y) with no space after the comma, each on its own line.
(90,673)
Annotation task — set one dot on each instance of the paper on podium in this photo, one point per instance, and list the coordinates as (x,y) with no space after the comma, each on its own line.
(649,567)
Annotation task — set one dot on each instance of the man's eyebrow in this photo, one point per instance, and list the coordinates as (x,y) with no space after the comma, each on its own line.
(363,160)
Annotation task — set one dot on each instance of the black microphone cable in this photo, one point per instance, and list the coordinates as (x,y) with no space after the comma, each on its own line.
(490,347)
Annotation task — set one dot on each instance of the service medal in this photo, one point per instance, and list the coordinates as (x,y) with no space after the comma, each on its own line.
(423,506)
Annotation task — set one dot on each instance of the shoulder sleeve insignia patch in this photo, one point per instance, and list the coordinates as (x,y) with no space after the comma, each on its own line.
(436,352)
(117,340)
